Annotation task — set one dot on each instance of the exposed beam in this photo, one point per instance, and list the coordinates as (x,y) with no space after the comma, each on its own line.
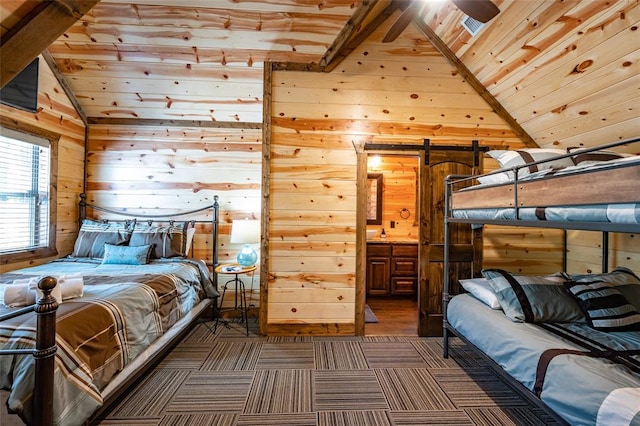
(173,123)
(343,44)
(474,82)
(47,21)
(65,85)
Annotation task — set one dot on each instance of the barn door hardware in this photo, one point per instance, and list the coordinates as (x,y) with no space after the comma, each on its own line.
(426,147)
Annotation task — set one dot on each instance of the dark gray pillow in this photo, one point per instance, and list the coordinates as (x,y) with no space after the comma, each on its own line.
(531,298)
(94,235)
(166,240)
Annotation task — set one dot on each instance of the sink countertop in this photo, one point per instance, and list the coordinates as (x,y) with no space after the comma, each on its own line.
(393,240)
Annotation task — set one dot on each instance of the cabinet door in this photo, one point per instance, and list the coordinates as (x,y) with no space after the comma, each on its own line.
(378,276)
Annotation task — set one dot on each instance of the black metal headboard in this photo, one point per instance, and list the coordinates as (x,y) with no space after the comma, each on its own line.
(82,214)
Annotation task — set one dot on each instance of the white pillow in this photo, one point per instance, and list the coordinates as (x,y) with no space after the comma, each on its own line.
(481,290)
(509,159)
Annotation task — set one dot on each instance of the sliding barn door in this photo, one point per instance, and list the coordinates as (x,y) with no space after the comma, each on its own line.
(466,245)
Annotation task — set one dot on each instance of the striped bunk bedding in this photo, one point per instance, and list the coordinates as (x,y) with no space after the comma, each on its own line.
(586,376)
(595,187)
(123,311)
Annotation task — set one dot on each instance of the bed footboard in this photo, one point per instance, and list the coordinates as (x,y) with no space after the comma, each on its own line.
(44,352)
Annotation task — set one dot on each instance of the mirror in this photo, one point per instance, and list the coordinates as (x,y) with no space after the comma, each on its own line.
(374,199)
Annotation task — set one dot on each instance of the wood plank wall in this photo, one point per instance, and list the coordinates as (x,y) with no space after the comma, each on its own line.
(56,114)
(160,170)
(379,94)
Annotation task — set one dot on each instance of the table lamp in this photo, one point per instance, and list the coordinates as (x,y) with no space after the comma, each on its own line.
(246,232)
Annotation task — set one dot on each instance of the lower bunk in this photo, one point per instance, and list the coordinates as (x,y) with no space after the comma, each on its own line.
(585,376)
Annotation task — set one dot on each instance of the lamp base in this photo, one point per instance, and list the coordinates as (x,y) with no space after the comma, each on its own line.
(247,256)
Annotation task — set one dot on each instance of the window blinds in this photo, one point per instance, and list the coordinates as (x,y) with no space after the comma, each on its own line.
(24,191)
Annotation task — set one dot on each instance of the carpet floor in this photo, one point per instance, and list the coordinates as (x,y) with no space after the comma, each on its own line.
(227,378)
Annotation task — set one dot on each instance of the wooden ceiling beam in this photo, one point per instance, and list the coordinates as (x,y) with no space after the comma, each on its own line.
(441,46)
(47,21)
(152,122)
(352,35)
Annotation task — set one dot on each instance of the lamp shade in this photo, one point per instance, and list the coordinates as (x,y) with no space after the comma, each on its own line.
(246,232)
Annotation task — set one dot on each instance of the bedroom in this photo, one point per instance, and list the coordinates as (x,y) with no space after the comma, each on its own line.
(169,143)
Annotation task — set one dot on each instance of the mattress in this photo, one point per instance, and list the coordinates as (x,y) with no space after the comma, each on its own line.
(584,390)
(123,311)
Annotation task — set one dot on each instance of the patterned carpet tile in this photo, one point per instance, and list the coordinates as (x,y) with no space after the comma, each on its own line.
(477,387)
(338,390)
(286,355)
(504,417)
(342,355)
(212,392)
(412,389)
(431,353)
(297,419)
(202,334)
(185,357)
(280,391)
(422,418)
(354,418)
(150,397)
(147,421)
(232,356)
(392,355)
(200,420)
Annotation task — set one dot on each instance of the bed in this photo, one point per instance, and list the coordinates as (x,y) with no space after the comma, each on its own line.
(128,292)
(569,343)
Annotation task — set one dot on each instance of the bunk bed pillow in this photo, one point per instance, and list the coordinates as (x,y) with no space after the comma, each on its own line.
(508,159)
(530,298)
(605,307)
(586,158)
(126,255)
(622,279)
(481,290)
(167,240)
(94,235)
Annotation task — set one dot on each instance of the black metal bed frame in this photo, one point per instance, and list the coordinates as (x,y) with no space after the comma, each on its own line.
(46,308)
(604,227)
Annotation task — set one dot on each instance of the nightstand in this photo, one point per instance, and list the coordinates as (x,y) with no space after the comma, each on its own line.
(240,302)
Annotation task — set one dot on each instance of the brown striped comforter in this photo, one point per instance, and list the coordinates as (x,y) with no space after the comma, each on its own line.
(124,309)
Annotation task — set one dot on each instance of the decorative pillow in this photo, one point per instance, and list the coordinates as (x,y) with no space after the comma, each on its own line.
(126,255)
(530,298)
(481,290)
(508,159)
(167,240)
(94,235)
(584,158)
(623,279)
(605,307)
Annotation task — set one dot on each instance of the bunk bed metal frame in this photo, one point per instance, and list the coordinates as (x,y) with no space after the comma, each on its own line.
(533,193)
(45,347)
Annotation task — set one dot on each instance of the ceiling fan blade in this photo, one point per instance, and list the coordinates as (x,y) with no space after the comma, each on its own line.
(480,10)
(401,23)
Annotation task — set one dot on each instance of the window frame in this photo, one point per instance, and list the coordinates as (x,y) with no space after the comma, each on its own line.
(51,249)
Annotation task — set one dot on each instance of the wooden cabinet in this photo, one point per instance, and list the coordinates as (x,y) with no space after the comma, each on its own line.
(392,269)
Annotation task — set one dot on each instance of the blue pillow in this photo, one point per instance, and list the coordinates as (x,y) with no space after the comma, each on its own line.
(126,255)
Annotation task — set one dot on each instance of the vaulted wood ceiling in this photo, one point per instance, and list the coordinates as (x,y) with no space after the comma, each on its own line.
(565,70)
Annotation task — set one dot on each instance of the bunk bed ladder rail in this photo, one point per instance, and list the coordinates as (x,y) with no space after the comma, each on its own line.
(445,291)
(44,351)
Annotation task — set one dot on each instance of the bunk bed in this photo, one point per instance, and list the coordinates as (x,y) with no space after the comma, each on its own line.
(547,335)
(103,315)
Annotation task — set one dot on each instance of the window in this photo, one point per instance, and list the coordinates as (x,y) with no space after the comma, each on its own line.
(27,194)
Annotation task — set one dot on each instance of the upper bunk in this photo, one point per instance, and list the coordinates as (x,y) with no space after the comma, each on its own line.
(596,189)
